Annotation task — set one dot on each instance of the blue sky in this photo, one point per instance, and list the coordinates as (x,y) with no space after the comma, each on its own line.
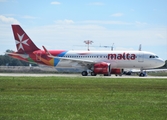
(65,24)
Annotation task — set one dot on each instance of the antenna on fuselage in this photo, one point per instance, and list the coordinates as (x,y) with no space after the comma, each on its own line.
(112,47)
(140,47)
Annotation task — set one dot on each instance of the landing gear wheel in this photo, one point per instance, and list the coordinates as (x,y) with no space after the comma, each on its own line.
(142,74)
(107,74)
(93,74)
(120,74)
(84,73)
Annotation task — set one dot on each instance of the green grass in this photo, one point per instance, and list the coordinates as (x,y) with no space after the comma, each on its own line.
(158,74)
(82,98)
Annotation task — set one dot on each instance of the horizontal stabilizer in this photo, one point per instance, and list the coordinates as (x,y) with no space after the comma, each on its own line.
(47,52)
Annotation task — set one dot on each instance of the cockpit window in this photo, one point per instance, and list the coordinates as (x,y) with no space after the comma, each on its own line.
(153,56)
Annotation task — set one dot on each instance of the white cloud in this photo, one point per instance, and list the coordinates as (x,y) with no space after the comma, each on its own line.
(160,36)
(96,3)
(75,34)
(55,3)
(65,34)
(107,22)
(29,17)
(64,21)
(117,15)
(8,20)
(140,24)
(3,0)
(6,37)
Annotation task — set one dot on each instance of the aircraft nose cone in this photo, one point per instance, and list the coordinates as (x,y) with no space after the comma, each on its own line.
(160,62)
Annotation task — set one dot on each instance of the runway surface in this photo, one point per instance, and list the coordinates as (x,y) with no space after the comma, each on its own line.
(72,75)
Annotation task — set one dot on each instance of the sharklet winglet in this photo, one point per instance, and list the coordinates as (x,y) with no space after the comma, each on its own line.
(47,52)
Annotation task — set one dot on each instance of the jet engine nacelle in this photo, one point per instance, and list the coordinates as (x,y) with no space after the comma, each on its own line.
(117,71)
(102,68)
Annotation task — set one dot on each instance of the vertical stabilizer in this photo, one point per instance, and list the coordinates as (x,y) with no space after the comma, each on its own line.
(23,43)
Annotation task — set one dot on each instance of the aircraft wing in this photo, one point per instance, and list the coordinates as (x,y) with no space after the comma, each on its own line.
(74,60)
(82,62)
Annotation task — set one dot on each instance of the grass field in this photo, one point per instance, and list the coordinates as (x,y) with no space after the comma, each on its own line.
(82,98)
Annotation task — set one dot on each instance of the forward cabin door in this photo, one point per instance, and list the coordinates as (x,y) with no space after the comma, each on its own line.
(141,57)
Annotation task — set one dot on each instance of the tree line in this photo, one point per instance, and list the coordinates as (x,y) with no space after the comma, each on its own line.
(6,60)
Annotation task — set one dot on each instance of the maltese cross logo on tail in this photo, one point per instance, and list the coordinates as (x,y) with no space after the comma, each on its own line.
(21,42)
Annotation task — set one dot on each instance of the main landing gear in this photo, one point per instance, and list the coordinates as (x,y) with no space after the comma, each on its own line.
(142,74)
(85,73)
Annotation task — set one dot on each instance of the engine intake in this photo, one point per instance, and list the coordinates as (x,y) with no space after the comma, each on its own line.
(102,68)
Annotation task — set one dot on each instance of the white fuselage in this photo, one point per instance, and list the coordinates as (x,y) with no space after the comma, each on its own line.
(117,59)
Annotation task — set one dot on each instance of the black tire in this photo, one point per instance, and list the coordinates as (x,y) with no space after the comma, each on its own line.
(107,74)
(84,73)
(141,75)
(93,74)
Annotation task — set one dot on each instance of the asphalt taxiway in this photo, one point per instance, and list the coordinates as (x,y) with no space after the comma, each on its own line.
(72,75)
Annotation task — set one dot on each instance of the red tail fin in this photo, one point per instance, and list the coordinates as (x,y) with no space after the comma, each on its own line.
(23,43)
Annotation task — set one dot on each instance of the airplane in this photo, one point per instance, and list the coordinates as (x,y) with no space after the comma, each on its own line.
(93,62)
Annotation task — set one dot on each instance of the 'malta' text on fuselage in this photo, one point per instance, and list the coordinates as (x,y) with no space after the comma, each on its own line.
(123,56)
